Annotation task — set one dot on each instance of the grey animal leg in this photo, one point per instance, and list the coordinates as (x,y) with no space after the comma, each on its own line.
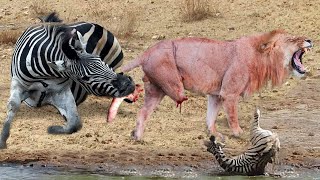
(65,103)
(17,95)
(153,97)
(214,105)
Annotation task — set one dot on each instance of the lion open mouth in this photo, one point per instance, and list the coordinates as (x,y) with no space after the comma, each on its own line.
(297,60)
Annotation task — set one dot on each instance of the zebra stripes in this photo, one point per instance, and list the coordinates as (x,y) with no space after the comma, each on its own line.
(98,41)
(102,43)
(48,61)
(264,147)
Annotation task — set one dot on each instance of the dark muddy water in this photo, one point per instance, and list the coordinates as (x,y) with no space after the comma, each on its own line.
(13,172)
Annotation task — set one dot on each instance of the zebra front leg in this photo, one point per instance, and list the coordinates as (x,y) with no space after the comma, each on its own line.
(17,95)
(65,103)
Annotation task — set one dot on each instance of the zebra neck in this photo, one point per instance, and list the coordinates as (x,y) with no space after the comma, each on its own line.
(255,125)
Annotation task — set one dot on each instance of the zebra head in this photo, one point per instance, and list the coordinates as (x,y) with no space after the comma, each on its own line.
(89,70)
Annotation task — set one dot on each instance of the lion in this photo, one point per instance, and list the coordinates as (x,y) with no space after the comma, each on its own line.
(222,70)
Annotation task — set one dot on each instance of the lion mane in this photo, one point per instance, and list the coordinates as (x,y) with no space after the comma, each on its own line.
(268,65)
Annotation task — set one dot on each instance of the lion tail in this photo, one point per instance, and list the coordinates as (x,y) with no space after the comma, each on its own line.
(132,64)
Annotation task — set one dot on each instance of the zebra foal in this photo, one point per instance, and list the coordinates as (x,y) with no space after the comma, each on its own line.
(264,148)
(48,62)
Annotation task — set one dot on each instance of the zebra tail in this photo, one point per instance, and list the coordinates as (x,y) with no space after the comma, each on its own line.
(132,64)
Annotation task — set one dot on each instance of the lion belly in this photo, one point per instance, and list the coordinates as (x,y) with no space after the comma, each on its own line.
(207,81)
(202,64)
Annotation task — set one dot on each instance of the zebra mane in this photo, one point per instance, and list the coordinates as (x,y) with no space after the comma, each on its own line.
(52,17)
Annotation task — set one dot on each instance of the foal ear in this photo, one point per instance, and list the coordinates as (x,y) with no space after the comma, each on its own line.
(73,45)
(77,42)
(82,42)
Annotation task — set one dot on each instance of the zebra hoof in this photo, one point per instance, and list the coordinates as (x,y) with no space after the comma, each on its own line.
(212,138)
(62,130)
(56,130)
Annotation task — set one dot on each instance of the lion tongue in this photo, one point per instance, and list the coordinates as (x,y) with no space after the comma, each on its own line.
(298,62)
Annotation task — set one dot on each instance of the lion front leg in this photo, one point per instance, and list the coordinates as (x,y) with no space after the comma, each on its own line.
(230,106)
(65,103)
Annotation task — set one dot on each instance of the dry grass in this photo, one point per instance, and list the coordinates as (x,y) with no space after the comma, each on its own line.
(195,10)
(40,8)
(98,10)
(121,22)
(127,25)
(9,36)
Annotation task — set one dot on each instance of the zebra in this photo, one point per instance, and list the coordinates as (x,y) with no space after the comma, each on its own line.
(98,41)
(47,60)
(264,149)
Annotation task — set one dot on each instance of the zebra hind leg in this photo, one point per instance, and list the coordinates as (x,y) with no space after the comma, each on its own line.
(17,95)
(65,103)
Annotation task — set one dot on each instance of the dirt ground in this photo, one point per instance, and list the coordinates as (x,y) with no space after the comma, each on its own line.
(172,140)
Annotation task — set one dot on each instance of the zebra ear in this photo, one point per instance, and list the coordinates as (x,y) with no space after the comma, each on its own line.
(82,42)
(73,45)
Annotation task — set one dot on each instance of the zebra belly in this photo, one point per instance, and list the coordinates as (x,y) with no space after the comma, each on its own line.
(36,99)
(40,92)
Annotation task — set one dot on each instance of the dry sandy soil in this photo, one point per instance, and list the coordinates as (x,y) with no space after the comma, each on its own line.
(172,140)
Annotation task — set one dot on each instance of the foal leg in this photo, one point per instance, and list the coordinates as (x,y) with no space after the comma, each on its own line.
(153,97)
(17,95)
(65,103)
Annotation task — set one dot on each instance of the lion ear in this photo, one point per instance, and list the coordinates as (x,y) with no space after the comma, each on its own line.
(266,47)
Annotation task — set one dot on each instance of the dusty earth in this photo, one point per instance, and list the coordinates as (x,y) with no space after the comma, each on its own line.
(172,140)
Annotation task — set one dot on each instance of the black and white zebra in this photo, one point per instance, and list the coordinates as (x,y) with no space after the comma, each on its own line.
(47,60)
(264,147)
(98,41)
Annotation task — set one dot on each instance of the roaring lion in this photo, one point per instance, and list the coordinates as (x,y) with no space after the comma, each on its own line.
(223,70)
